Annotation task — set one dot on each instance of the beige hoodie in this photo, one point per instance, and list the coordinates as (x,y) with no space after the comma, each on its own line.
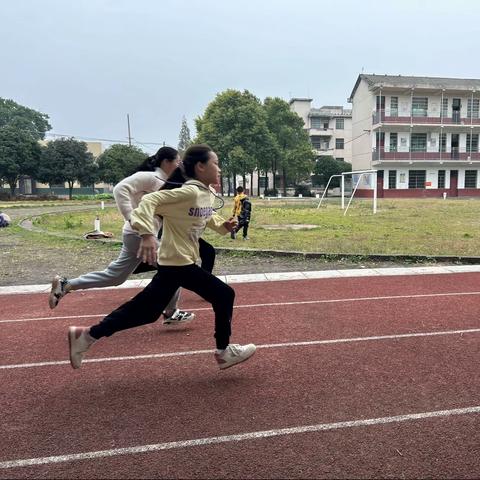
(186,211)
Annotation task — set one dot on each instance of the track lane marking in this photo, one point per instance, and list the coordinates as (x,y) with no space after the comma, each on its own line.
(28,462)
(265,346)
(275,304)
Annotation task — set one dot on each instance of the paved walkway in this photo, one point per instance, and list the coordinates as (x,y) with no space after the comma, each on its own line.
(275,277)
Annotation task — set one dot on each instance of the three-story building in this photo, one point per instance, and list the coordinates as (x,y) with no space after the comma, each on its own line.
(420,133)
(329,128)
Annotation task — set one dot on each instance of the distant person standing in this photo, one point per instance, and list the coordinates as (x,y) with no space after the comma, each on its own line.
(237,208)
(244,217)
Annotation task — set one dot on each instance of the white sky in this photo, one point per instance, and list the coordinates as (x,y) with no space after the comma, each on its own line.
(87,63)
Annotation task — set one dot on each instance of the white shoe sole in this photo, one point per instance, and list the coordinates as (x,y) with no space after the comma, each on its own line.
(52,299)
(71,340)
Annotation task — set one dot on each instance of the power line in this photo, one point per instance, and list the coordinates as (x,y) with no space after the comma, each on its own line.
(110,140)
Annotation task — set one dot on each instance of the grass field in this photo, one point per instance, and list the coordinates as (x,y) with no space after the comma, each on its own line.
(413,226)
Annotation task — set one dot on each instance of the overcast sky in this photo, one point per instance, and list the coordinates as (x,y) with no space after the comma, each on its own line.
(87,63)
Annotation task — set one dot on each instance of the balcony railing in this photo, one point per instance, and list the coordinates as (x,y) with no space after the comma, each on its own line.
(321,131)
(387,116)
(455,154)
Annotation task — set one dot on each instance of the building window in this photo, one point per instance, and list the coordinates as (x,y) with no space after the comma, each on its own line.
(262,182)
(473,107)
(394,106)
(419,142)
(441,179)
(392,179)
(340,159)
(443,142)
(470,179)
(316,142)
(445,107)
(339,143)
(339,123)
(419,106)
(316,122)
(472,143)
(416,178)
(393,142)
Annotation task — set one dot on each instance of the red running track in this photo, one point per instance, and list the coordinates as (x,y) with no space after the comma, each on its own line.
(361,350)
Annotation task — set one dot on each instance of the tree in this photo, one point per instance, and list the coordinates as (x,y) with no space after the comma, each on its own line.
(234,125)
(67,160)
(295,158)
(184,140)
(119,161)
(23,118)
(326,166)
(19,155)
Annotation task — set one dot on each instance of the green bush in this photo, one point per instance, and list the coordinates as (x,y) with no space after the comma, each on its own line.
(271,192)
(98,196)
(303,190)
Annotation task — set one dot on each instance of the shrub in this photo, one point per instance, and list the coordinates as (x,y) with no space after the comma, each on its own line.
(98,196)
(303,190)
(272,192)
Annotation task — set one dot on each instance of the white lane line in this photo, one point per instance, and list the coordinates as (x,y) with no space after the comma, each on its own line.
(275,304)
(240,437)
(270,345)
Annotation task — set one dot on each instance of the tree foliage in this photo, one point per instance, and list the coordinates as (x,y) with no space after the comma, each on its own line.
(67,160)
(184,139)
(19,155)
(234,125)
(23,119)
(119,161)
(295,155)
(326,166)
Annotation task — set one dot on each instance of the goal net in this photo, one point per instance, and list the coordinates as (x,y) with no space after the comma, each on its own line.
(351,184)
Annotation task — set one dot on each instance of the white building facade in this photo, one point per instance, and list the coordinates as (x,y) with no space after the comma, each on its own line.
(329,128)
(421,134)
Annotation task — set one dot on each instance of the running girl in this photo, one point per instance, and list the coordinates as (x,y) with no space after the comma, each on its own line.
(186,211)
(149,177)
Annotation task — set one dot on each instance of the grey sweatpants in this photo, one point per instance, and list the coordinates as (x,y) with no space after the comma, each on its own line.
(119,270)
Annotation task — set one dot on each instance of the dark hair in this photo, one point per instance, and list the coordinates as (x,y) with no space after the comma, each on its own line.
(193,155)
(150,163)
(239,189)
(175,180)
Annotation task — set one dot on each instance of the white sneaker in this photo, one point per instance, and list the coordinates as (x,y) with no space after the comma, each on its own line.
(234,354)
(178,317)
(58,290)
(79,342)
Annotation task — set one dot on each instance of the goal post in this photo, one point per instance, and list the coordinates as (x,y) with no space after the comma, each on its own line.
(357,175)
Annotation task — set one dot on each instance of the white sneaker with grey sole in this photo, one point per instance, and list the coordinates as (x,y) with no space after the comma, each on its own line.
(58,290)
(79,341)
(234,354)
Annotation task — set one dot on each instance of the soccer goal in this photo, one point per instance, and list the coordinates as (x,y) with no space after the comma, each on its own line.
(366,178)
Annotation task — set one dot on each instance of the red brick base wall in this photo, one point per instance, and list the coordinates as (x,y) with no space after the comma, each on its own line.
(419,193)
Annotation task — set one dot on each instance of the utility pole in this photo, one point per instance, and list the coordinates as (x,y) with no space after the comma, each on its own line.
(129,136)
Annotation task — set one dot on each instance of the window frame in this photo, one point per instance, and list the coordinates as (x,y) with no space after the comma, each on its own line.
(414,177)
(421,109)
(472,175)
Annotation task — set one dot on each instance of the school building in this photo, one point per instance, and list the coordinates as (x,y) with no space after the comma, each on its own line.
(421,134)
(329,128)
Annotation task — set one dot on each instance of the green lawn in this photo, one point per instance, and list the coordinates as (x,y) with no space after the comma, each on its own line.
(418,227)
